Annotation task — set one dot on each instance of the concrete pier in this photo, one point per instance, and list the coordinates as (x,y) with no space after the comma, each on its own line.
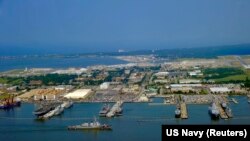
(184,113)
(223,114)
(234,100)
(116,107)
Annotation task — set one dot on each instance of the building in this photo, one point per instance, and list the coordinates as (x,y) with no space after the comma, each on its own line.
(104,85)
(64,87)
(185,85)
(189,81)
(47,94)
(78,94)
(195,73)
(219,89)
(161,74)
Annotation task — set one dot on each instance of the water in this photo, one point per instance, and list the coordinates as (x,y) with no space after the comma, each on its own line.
(139,122)
(53,62)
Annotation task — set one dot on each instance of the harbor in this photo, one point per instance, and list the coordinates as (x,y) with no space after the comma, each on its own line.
(48,110)
(135,116)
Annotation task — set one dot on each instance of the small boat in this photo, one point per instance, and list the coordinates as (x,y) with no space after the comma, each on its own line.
(95,125)
(104,111)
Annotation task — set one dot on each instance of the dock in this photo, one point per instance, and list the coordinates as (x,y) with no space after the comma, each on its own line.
(183,108)
(223,114)
(234,100)
(113,111)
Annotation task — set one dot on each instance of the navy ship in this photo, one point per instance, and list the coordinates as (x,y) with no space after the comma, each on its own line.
(95,125)
(45,108)
(213,111)
(227,109)
(67,104)
(104,111)
(10,103)
(177,111)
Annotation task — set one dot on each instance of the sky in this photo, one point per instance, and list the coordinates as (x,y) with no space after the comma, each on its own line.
(109,25)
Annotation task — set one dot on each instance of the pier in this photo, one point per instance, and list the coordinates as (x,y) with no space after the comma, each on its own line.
(183,108)
(223,114)
(234,100)
(115,110)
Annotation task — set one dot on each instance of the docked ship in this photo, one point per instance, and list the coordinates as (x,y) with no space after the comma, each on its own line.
(119,111)
(104,111)
(45,108)
(227,109)
(10,103)
(67,104)
(213,111)
(95,125)
(177,113)
(58,110)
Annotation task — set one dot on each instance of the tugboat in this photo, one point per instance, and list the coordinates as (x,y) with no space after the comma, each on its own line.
(105,109)
(95,125)
(213,111)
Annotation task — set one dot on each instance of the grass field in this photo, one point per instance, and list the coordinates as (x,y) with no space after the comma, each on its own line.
(241,77)
(3,96)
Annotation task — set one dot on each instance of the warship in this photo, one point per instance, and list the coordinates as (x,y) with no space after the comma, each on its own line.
(95,125)
(213,111)
(104,111)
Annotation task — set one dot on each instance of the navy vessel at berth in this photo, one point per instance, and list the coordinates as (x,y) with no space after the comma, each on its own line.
(104,111)
(44,108)
(227,109)
(58,110)
(67,104)
(177,113)
(213,111)
(10,102)
(95,125)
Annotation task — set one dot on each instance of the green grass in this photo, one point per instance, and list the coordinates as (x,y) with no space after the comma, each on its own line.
(3,80)
(3,96)
(241,77)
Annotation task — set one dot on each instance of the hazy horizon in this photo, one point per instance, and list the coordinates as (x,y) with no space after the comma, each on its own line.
(61,26)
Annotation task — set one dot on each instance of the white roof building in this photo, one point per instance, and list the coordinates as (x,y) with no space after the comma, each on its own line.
(104,85)
(162,74)
(220,89)
(188,81)
(185,85)
(77,94)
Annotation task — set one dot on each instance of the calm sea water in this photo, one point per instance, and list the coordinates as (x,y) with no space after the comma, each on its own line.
(140,121)
(52,62)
